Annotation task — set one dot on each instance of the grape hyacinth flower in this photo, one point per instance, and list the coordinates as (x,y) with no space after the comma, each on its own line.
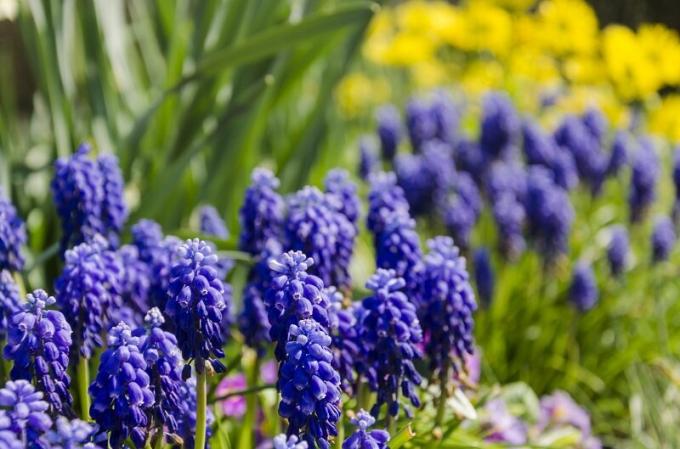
(71,434)
(262,213)
(446,115)
(563,169)
(309,385)
(211,224)
(27,413)
(484,276)
(38,343)
(87,292)
(362,438)
(468,157)
(338,184)
(509,216)
(619,153)
(500,126)
(583,292)
(293,295)
(135,285)
(591,163)
(389,334)
(114,210)
(147,236)
(644,177)
(549,213)
(423,176)
(8,438)
(595,122)
(539,147)
(121,393)
(317,226)
(344,335)
(663,239)
(187,418)
(617,251)
(10,302)
(88,195)
(197,304)
(398,249)
(506,178)
(164,367)
(460,208)
(368,158)
(448,305)
(501,426)
(292,442)
(676,184)
(12,236)
(389,131)
(253,322)
(421,122)
(384,198)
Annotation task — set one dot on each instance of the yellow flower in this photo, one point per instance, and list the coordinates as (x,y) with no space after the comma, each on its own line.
(629,69)
(567,27)
(660,46)
(429,74)
(482,75)
(482,27)
(515,5)
(584,70)
(665,120)
(409,48)
(356,93)
(529,63)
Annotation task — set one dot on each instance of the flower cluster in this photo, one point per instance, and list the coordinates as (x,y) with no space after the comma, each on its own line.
(262,214)
(389,131)
(397,248)
(88,194)
(388,334)
(448,305)
(121,393)
(317,226)
(309,385)
(12,236)
(196,304)
(644,177)
(87,293)
(294,295)
(38,343)
(384,198)
(363,438)
(25,414)
(10,302)
(583,290)
(484,275)
(75,434)
(344,335)
(617,251)
(211,224)
(500,126)
(164,367)
(663,239)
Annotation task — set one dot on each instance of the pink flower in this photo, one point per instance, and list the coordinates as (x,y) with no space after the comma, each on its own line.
(234,406)
(269,372)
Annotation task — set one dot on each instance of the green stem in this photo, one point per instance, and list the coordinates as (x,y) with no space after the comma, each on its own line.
(246,391)
(444,394)
(83,375)
(246,436)
(201,405)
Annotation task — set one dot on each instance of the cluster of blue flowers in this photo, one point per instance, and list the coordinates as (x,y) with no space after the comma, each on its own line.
(12,236)
(38,343)
(88,194)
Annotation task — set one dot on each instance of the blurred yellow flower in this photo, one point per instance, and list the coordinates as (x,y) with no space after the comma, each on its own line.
(429,74)
(665,120)
(660,46)
(482,75)
(530,63)
(357,93)
(627,67)
(567,27)
(482,27)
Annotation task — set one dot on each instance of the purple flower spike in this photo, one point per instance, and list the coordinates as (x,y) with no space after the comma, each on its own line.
(39,343)
(362,438)
(12,236)
(389,334)
(196,304)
